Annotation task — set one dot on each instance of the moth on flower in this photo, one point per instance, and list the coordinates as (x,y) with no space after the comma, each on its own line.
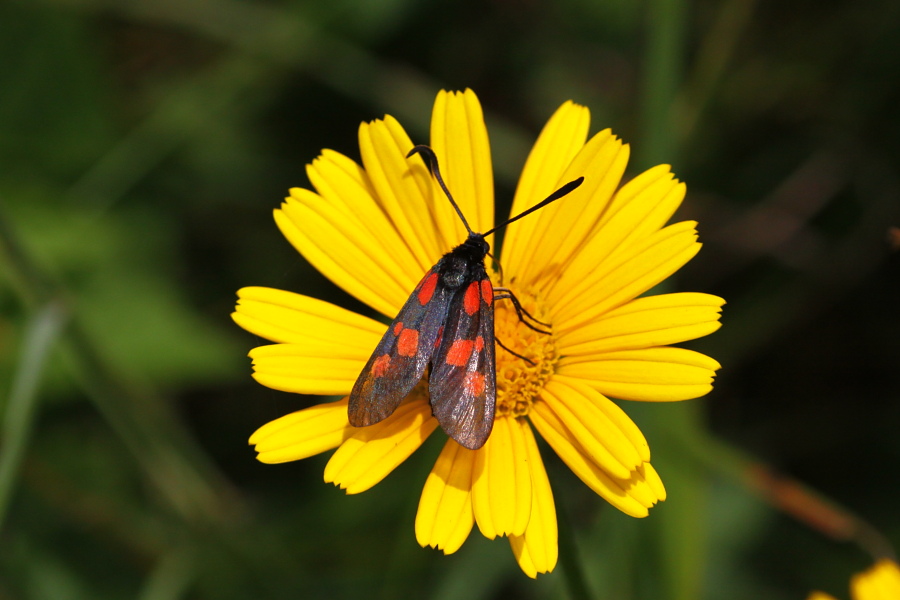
(582,333)
(447,326)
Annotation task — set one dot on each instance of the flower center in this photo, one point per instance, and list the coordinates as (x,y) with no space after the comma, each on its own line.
(518,380)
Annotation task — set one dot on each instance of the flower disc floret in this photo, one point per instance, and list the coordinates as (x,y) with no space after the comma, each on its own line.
(529,359)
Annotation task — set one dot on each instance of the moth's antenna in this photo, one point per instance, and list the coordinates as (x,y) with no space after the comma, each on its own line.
(430,158)
(551,198)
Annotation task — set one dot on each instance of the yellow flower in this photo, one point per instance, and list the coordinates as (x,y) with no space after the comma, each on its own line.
(881,582)
(580,265)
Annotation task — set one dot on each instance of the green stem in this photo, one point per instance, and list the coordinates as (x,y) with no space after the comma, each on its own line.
(663,63)
(21,407)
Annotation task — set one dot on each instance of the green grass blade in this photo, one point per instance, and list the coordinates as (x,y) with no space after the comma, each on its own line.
(21,406)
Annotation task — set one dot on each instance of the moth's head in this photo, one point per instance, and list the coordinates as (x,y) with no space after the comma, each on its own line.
(478,244)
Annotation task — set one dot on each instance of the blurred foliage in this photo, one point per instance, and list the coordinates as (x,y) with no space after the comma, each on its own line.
(144,144)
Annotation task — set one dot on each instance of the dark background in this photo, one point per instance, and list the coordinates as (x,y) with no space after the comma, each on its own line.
(143,146)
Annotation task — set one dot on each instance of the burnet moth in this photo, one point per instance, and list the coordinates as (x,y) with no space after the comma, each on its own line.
(447,324)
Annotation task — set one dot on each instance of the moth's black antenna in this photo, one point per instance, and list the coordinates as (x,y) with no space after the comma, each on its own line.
(567,188)
(430,158)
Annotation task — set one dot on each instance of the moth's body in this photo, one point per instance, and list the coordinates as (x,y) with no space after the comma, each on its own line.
(464,263)
(448,324)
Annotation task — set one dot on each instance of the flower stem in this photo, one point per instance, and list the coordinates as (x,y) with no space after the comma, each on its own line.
(788,495)
(662,74)
(42,332)
(816,511)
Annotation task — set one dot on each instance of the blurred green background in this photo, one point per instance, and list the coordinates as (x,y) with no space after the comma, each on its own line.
(143,145)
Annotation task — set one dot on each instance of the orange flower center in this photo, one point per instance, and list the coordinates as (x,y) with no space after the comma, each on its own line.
(519,381)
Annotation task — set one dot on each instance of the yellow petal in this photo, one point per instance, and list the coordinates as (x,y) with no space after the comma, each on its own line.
(650,375)
(626,222)
(347,242)
(372,452)
(596,289)
(403,186)
(629,495)
(501,489)
(654,481)
(537,550)
(820,596)
(612,411)
(309,234)
(343,181)
(523,556)
(347,192)
(294,368)
(649,200)
(303,433)
(459,138)
(326,329)
(600,438)
(560,140)
(560,229)
(881,582)
(644,492)
(651,321)
(445,516)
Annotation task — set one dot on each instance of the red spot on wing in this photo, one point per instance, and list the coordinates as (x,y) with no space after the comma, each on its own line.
(398,327)
(459,353)
(380,366)
(440,337)
(487,291)
(427,289)
(479,343)
(408,343)
(471,299)
(474,383)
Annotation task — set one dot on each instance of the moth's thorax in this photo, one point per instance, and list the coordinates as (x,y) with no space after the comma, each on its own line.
(464,263)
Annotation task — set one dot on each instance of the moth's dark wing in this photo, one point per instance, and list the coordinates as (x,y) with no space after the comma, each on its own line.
(399,360)
(462,382)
